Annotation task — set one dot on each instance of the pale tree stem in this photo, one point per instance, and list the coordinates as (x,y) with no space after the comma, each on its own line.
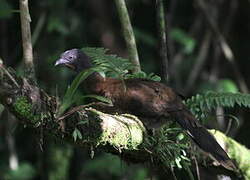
(128,34)
(26,38)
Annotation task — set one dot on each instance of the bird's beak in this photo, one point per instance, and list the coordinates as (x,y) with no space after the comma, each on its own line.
(61,62)
(64,62)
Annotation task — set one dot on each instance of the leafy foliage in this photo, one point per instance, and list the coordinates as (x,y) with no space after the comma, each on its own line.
(68,98)
(170,145)
(99,98)
(200,104)
(115,66)
(143,75)
(110,64)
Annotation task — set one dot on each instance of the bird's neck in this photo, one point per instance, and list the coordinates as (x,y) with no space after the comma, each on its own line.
(94,83)
(83,63)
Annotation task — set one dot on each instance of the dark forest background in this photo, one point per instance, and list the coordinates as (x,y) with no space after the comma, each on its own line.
(209,49)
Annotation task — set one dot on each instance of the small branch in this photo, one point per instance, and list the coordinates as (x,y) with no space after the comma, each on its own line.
(26,38)
(128,34)
(163,39)
(2,68)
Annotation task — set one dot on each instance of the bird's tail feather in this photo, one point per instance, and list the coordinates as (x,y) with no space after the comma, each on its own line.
(203,138)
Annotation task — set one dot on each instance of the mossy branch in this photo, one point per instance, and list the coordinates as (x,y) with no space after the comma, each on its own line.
(236,151)
(122,134)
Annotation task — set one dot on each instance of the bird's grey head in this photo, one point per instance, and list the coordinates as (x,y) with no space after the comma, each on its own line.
(74,59)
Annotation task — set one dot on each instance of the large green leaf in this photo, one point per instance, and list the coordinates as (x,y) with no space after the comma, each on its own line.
(68,98)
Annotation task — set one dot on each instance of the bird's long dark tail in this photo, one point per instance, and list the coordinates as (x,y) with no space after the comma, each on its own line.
(203,138)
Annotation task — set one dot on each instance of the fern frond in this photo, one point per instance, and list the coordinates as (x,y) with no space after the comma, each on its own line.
(110,64)
(143,75)
(199,104)
(114,66)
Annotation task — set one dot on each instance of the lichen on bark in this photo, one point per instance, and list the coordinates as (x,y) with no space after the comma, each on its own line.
(122,131)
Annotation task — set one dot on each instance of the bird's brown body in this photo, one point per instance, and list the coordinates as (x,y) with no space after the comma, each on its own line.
(141,97)
(151,101)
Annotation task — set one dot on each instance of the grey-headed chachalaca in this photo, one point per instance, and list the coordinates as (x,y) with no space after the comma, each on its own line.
(148,100)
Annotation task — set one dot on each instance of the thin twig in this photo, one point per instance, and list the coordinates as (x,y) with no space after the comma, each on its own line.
(197,168)
(128,34)
(8,74)
(163,39)
(229,126)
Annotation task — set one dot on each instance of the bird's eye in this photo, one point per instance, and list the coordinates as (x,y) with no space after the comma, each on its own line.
(70,57)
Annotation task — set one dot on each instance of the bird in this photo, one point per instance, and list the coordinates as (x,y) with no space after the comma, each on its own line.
(149,100)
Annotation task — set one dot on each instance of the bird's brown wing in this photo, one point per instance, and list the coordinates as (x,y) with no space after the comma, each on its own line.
(146,98)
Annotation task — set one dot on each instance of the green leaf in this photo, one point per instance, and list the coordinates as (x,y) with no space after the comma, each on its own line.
(110,64)
(82,122)
(68,99)
(200,104)
(76,134)
(114,66)
(178,162)
(100,98)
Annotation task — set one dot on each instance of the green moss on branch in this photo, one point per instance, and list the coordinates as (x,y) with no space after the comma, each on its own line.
(25,109)
(123,131)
